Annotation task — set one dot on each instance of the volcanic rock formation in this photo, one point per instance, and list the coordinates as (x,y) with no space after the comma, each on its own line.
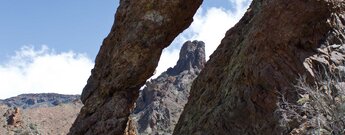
(127,58)
(13,117)
(161,102)
(261,57)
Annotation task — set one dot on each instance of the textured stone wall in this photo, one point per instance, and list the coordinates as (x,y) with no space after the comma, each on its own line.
(260,57)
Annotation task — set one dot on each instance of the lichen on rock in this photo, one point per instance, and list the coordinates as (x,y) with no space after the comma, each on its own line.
(154,16)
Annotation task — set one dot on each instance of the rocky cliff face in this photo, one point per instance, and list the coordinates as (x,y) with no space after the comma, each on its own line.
(261,57)
(33,114)
(161,102)
(127,58)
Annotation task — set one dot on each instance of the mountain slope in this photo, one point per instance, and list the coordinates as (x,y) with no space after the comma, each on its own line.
(43,114)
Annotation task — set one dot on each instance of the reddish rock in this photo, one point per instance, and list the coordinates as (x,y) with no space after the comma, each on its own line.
(131,128)
(127,58)
(13,117)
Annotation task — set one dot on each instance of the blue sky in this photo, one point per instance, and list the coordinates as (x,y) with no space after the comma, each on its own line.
(64,25)
(50,46)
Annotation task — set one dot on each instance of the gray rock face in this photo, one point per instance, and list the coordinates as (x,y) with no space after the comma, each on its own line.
(162,100)
(192,55)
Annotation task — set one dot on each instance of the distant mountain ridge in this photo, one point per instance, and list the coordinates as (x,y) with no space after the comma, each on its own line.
(39,100)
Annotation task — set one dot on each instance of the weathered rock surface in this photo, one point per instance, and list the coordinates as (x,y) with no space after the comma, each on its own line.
(13,117)
(260,58)
(127,58)
(161,102)
(50,114)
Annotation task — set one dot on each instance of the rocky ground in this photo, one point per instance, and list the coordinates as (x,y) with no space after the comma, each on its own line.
(43,114)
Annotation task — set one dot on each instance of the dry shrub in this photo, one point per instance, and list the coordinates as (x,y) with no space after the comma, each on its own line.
(320,108)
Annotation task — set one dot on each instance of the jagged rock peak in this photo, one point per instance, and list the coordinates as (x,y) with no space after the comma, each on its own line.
(161,102)
(192,56)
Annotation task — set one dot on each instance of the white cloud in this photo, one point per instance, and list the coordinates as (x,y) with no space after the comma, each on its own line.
(44,71)
(210,26)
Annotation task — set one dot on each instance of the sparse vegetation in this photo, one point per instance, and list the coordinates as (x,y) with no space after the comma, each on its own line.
(33,129)
(320,108)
